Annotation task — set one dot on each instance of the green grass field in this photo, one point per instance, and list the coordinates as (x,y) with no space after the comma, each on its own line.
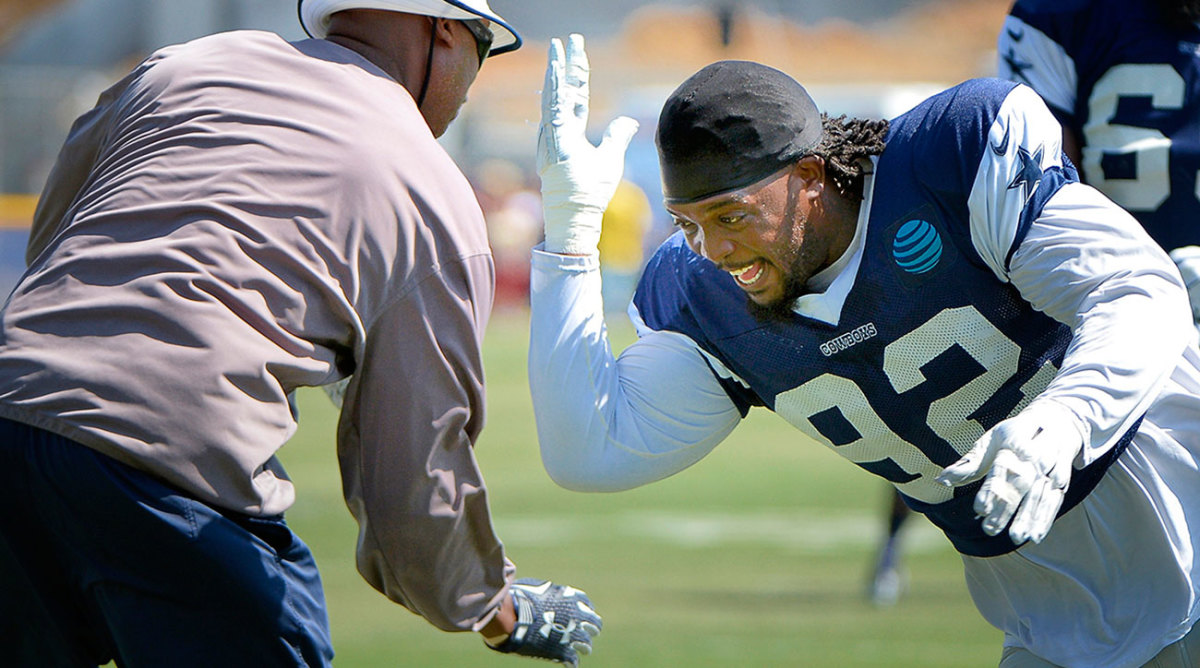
(756,556)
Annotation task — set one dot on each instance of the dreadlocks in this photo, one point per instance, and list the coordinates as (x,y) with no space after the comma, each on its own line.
(847,142)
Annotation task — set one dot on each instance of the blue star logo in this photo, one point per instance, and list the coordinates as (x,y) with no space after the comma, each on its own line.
(1017,66)
(1030,172)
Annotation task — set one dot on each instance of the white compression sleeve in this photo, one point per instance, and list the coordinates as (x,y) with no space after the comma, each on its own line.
(605,423)
(1089,264)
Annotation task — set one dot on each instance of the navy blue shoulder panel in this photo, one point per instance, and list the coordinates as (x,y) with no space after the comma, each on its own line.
(936,149)
(941,141)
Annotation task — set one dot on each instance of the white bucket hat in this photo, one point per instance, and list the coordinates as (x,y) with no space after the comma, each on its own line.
(314,15)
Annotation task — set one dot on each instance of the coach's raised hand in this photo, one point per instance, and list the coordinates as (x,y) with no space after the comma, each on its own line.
(578,179)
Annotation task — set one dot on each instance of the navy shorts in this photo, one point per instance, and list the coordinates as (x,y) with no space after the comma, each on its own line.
(100,561)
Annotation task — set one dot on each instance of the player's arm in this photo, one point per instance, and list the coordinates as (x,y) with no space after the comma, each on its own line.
(1085,262)
(411,414)
(604,423)
(1027,52)
(1088,263)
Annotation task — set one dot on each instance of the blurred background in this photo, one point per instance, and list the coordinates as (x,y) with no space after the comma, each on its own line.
(758,555)
(859,57)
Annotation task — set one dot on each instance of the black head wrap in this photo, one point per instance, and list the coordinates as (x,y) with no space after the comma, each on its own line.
(729,125)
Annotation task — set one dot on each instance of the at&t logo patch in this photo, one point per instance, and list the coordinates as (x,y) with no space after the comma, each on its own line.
(917,247)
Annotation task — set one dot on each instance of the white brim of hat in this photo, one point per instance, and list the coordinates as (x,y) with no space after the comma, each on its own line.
(314,15)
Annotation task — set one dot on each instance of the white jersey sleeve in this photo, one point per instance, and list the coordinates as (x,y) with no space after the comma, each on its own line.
(1089,264)
(1027,55)
(602,421)
(1085,262)
(1024,141)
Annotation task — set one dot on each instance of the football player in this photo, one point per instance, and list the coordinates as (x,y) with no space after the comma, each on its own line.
(1123,78)
(938,299)
(238,217)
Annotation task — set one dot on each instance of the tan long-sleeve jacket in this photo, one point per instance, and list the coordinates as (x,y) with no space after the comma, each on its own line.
(242,216)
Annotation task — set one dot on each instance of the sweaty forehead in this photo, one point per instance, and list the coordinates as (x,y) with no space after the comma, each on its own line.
(708,206)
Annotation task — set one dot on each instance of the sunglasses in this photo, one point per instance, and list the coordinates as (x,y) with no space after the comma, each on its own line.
(483,37)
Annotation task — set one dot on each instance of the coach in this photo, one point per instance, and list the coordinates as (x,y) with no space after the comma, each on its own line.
(239,217)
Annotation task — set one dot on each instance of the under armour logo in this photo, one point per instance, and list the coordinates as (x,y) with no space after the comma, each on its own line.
(550,625)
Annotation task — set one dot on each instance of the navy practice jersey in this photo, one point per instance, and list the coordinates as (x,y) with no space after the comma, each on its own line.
(1127,83)
(931,348)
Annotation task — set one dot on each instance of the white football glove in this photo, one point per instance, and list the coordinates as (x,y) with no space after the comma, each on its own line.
(1027,460)
(578,179)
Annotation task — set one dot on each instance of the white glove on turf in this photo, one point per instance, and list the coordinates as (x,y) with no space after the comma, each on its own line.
(1027,460)
(578,179)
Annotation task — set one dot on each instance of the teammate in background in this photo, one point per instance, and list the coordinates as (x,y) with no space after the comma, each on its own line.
(1123,79)
(938,299)
(624,226)
(888,579)
(239,217)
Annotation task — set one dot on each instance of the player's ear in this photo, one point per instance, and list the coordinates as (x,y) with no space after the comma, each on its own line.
(808,174)
(443,33)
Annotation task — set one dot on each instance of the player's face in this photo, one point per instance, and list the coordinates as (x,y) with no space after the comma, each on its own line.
(763,235)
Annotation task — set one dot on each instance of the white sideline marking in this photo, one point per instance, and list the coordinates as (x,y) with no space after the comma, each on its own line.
(798,531)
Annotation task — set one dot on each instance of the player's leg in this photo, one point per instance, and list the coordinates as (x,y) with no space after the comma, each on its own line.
(194,573)
(887,579)
(176,582)
(43,621)
(1185,653)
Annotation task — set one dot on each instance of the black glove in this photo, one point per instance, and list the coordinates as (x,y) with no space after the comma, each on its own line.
(554,622)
